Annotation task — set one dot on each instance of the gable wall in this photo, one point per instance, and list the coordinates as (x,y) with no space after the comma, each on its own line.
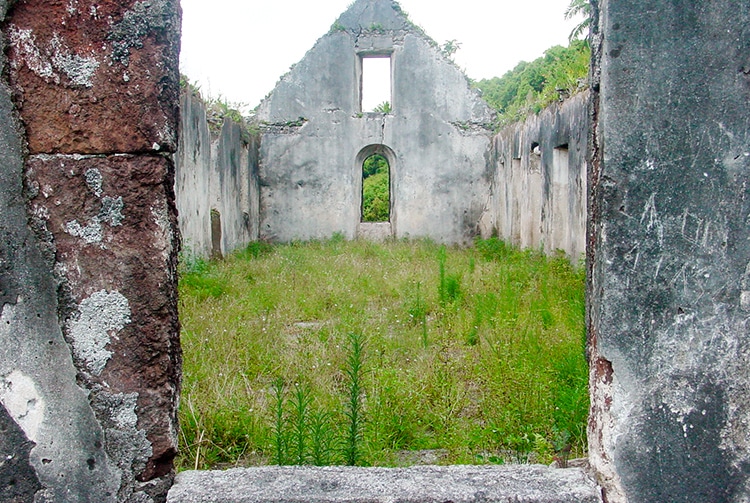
(310,179)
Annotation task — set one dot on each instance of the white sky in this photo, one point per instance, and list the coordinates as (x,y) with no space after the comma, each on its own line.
(239,48)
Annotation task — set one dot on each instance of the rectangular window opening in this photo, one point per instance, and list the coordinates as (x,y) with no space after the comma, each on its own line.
(376,93)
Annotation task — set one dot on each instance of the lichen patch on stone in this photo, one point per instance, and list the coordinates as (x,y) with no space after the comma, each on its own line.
(136,24)
(99,317)
(79,69)
(55,59)
(91,233)
(94,181)
(111,211)
(24,42)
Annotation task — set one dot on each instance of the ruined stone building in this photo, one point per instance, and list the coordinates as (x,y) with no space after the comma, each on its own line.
(451,178)
(659,151)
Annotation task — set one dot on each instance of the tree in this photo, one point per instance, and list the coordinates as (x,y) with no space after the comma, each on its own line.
(575,8)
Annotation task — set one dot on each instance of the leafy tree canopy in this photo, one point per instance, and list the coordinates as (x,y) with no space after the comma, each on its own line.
(375,189)
(530,87)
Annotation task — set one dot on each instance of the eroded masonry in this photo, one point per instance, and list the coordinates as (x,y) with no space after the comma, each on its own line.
(451,178)
(648,174)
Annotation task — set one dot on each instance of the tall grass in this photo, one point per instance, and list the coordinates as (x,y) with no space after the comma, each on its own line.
(353,352)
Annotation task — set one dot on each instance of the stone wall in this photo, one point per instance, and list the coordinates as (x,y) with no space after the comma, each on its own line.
(538,197)
(217,179)
(450,181)
(90,359)
(316,136)
(669,284)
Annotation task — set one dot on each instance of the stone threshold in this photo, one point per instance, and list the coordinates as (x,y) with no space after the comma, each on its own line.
(419,484)
(375,231)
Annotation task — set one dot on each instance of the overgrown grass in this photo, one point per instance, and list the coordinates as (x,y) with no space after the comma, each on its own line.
(353,352)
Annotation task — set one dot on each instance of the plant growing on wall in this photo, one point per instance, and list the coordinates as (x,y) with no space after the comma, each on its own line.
(450,47)
(383,108)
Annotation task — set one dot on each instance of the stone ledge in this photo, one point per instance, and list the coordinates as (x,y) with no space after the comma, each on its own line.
(375,231)
(422,484)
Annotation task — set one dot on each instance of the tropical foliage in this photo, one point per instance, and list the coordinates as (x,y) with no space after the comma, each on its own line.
(530,87)
(375,189)
(575,8)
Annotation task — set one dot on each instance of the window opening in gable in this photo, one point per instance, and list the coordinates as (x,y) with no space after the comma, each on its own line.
(376,93)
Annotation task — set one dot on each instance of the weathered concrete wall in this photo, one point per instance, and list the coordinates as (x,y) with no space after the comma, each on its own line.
(316,136)
(193,177)
(419,484)
(669,294)
(217,170)
(538,197)
(90,360)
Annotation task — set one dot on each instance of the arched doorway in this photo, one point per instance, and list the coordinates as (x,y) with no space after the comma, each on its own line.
(375,164)
(376,189)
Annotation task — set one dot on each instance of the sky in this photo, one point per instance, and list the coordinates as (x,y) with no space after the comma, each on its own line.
(238,49)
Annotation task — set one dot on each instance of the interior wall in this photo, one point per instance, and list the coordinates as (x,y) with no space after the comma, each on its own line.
(538,198)
(217,171)
(313,129)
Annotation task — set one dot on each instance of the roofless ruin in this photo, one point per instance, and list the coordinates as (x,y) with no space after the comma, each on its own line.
(90,360)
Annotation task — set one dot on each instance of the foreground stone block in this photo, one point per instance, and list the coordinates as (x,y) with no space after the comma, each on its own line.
(424,484)
(110,222)
(96,77)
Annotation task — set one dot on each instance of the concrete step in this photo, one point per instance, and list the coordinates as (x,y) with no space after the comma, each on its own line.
(420,484)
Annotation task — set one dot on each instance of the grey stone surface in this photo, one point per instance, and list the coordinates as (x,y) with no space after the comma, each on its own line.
(18,480)
(193,177)
(315,136)
(669,297)
(216,169)
(538,197)
(59,437)
(89,349)
(425,484)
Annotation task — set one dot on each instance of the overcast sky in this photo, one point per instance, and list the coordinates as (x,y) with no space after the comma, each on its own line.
(239,48)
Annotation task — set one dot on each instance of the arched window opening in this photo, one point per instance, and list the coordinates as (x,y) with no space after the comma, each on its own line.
(376,189)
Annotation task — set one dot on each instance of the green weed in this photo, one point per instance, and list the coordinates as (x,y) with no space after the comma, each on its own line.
(353,412)
(502,377)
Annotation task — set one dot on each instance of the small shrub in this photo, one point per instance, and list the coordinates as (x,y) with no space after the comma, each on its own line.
(353,412)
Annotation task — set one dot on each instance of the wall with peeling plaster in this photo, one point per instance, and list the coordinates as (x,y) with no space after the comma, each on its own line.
(217,169)
(90,359)
(450,179)
(315,136)
(669,251)
(538,196)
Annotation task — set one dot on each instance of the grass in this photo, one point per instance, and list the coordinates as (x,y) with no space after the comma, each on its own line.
(355,353)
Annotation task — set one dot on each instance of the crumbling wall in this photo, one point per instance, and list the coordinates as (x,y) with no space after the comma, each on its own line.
(90,359)
(315,136)
(538,197)
(217,179)
(669,254)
